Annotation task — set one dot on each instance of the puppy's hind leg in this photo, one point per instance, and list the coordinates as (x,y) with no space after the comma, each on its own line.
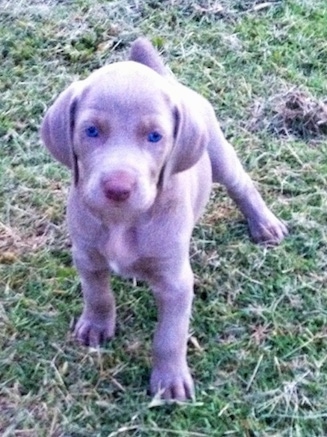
(264,226)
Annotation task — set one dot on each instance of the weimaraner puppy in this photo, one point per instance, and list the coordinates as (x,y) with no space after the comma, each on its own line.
(144,151)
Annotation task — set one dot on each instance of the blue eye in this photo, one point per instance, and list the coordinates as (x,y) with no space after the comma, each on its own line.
(154,137)
(92,132)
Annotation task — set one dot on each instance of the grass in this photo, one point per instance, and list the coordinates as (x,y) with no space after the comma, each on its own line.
(258,347)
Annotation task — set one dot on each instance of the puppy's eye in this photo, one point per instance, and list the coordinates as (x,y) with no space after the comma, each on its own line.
(154,137)
(92,132)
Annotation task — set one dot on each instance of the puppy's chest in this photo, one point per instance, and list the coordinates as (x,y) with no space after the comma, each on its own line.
(121,248)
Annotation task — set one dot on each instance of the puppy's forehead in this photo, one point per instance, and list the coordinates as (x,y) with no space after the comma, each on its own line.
(128,85)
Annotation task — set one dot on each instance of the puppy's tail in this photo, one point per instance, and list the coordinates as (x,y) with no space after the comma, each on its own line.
(142,51)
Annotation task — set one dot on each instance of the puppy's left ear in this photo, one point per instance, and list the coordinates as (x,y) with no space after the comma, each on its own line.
(57,125)
(191,139)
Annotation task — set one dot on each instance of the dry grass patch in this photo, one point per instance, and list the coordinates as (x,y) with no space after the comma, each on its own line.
(292,113)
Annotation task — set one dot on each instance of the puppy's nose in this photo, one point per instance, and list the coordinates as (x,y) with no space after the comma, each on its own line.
(118,186)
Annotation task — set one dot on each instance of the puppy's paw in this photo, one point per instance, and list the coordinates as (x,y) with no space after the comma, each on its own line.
(267,229)
(93,333)
(170,385)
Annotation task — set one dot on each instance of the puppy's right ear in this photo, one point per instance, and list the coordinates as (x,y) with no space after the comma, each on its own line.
(58,123)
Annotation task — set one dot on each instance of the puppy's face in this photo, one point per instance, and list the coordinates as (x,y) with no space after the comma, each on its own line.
(123,133)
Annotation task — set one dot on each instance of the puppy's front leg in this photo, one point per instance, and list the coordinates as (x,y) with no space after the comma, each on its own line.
(97,322)
(170,375)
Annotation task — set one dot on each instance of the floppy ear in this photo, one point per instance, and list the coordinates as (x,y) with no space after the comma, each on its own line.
(143,52)
(58,123)
(191,139)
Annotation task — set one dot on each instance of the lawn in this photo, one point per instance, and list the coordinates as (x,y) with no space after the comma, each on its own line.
(258,340)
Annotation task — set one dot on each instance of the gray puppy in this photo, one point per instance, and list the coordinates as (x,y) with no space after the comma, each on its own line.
(144,151)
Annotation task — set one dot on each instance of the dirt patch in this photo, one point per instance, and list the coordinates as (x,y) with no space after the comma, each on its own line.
(293,113)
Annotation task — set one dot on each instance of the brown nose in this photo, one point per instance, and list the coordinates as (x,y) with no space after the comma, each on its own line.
(118,186)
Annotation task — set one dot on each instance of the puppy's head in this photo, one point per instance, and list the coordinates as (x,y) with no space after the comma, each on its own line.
(124,131)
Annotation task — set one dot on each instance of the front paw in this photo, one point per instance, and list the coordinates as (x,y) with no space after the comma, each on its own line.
(91,332)
(267,229)
(172,384)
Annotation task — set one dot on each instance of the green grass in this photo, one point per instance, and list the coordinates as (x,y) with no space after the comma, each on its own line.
(258,350)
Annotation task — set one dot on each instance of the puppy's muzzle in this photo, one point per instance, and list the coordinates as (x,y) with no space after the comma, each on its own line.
(118,186)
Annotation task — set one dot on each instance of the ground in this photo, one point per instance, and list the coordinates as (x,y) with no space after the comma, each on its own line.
(258,340)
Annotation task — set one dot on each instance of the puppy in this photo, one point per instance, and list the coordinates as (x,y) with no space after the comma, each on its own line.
(144,151)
